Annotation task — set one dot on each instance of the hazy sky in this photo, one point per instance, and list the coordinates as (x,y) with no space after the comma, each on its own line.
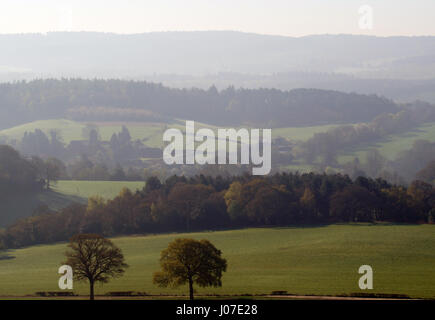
(283,17)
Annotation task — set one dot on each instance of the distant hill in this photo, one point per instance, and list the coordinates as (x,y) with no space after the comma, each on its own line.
(92,54)
(400,90)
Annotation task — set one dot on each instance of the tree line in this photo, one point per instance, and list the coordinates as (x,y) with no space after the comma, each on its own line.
(90,158)
(100,100)
(120,149)
(21,175)
(204,202)
(119,159)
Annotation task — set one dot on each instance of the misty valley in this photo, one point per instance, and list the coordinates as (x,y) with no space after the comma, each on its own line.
(217,165)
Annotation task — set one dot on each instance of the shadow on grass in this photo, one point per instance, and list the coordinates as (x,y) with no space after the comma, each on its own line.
(56,200)
(4,255)
(15,207)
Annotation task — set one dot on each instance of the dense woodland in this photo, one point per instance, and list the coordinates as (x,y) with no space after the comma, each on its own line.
(23,102)
(18,175)
(183,204)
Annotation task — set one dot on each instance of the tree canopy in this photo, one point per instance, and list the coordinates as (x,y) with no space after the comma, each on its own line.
(190,261)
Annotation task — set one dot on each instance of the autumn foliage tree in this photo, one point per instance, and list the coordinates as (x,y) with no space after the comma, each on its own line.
(95,259)
(355,204)
(190,261)
(187,199)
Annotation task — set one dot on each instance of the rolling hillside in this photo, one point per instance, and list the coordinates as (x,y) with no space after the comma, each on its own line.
(150,132)
(72,130)
(62,194)
(392,145)
(389,147)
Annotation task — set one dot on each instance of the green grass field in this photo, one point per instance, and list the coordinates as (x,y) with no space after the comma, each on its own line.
(72,130)
(150,133)
(305,261)
(105,189)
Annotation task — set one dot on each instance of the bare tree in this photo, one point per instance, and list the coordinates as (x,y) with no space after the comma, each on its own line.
(53,170)
(94,258)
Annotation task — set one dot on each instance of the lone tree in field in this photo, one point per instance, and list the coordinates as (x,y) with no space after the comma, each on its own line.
(94,258)
(53,170)
(190,261)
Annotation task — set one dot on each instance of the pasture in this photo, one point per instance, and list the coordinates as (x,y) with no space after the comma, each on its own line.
(321,260)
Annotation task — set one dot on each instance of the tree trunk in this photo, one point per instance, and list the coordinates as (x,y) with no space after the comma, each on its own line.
(48,180)
(91,287)
(190,288)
